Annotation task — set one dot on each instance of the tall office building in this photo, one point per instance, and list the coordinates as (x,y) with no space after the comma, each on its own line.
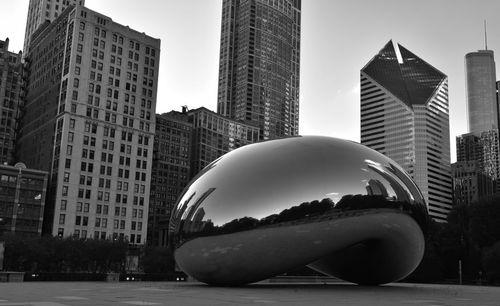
(259,64)
(11,94)
(171,171)
(404,115)
(482,102)
(479,148)
(89,121)
(42,11)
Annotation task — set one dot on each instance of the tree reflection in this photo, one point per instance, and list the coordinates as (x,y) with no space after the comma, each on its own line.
(306,212)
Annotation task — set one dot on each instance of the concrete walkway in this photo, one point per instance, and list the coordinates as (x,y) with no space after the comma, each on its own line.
(171,293)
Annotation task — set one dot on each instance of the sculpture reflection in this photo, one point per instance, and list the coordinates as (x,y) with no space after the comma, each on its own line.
(264,209)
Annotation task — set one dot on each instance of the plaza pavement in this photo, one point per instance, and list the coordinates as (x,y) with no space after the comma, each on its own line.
(185,293)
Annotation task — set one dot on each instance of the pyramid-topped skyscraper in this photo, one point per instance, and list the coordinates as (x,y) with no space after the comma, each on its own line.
(404,115)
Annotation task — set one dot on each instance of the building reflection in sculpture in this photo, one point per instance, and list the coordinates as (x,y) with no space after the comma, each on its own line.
(264,209)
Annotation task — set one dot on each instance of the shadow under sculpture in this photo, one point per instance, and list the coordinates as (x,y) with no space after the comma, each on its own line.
(264,209)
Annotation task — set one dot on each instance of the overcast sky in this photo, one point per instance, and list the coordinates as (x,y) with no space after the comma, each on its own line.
(338,38)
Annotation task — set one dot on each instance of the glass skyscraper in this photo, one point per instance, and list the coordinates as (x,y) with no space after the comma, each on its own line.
(259,65)
(404,115)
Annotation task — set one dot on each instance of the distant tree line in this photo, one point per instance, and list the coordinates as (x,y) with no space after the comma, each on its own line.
(72,255)
(471,236)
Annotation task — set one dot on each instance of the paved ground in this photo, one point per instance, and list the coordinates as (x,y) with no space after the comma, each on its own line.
(163,293)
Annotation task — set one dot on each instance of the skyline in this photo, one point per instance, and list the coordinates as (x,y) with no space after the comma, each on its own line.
(337,38)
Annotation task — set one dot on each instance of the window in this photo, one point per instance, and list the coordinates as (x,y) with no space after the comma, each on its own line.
(63,204)
(64,190)
(62,218)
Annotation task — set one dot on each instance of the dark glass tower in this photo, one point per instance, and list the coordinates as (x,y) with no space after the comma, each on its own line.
(259,64)
(404,115)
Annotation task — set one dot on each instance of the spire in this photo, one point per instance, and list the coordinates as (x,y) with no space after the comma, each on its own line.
(485,37)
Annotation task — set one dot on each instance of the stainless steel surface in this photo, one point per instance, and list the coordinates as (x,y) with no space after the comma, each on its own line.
(267,208)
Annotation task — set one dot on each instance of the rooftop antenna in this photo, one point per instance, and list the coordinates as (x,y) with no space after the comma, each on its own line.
(485,37)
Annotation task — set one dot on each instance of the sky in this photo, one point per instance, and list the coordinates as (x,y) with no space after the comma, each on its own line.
(338,37)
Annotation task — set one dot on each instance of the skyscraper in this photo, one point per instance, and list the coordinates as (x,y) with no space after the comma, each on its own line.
(89,121)
(479,148)
(171,171)
(11,93)
(41,11)
(481,91)
(259,64)
(404,115)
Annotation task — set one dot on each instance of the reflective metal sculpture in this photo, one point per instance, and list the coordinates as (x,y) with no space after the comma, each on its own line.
(264,209)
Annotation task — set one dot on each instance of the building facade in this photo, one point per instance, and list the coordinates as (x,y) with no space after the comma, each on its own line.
(89,121)
(171,171)
(22,199)
(477,158)
(42,11)
(482,102)
(214,135)
(404,115)
(185,143)
(11,95)
(259,64)
(470,184)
